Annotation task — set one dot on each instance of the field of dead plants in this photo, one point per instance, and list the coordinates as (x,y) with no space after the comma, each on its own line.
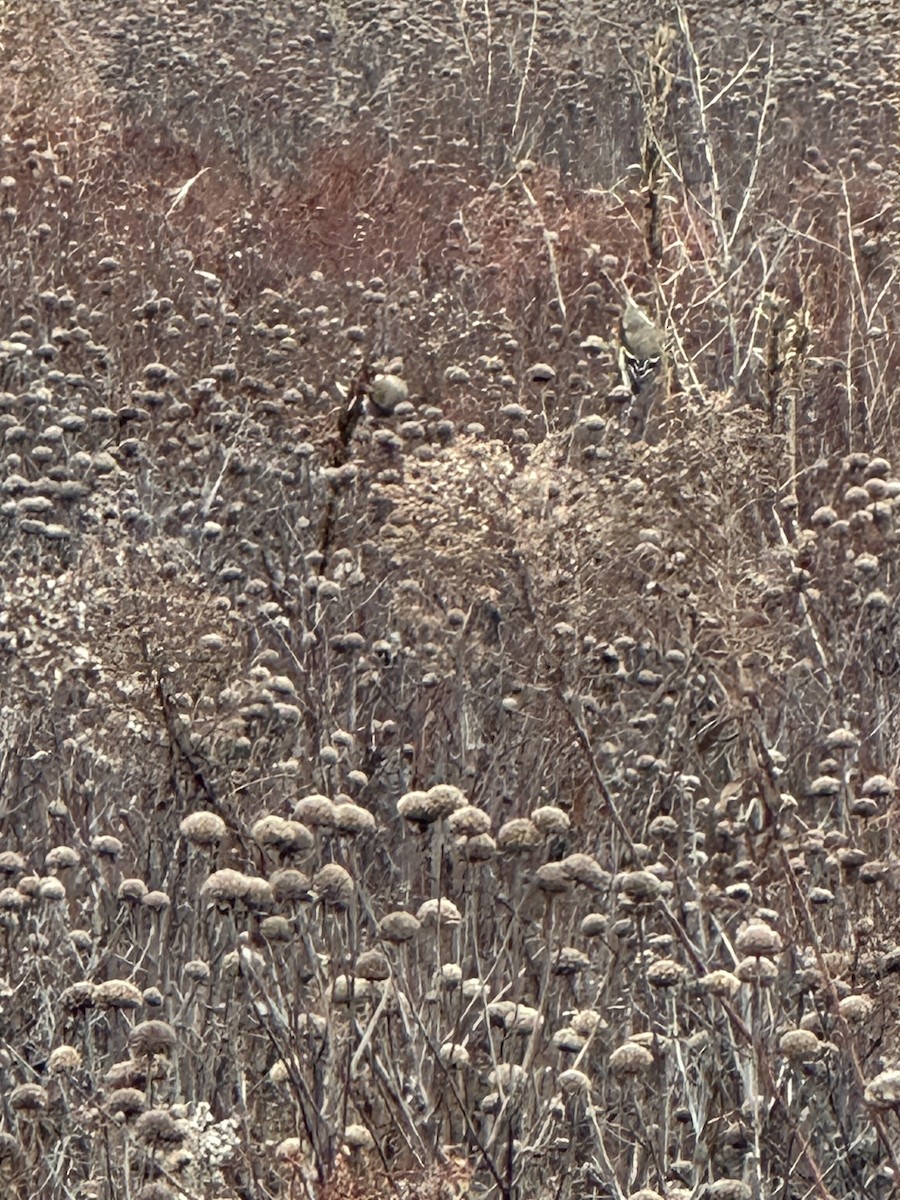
(419,777)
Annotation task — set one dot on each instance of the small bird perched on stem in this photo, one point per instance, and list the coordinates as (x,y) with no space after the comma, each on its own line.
(642,347)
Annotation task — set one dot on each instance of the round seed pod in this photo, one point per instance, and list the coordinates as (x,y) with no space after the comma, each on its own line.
(151,1037)
(117,993)
(398,927)
(316,811)
(518,834)
(630,1059)
(757,940)
(28,1099)
(438,912)
(884,1090)
(353,819)
(799,1044)
(468,821)
(203,829)
(334,885)
(289,886)
(549,820)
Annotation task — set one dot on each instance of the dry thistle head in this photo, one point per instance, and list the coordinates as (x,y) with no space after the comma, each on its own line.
(158,1128)
(151,1037)
(117,993)
(61,858)
(289,886)
(353,819)
(549,819)
(757,940)
(440,911)
(357,1137)
(203,829)
(573,1082)
(884,1090)
(665,973)
(128,1101)
(28,1099)
(639,885)
(226,886)
(553,878)
(64,1059)
(334,885)
(468,821)
(720,983)
(287,836)
(518,834)
(131,891)
(316,811)
(728,1189)
(799,1044)
(373,965)
(398,927)
(630,1059)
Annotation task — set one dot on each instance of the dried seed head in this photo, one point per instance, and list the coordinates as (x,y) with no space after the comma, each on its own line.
(468,821)
(549,819)
(78,996)
(12,864)
(353,819)
(720,983)
(728,1189)
(61,858)
(573,1082)
(799,1044)
(630,1059)
(196,970)
(553,878)
(373,965)
(334,885)
(357,1137)
(117,993)
(290,1150)
(131,891)
(106,846)
(64,1059)
(288,836)
(289,885)
(480,848)
(419,808)
(128,1101)
(316,811)
(452,1054)
(51,888)
(157,1127)
(226,886)
(570,960)
(203,828)
(568,1040)
(756,970)
(518,834)
(639,885)
(593,925)
(665,972)
(884,1090)
(398,927)
(438,912)
(856,1009)
(757,940)
(276,929)
(878,787)
(156,901)
(28,1098)
(663,827)
(151,1037)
